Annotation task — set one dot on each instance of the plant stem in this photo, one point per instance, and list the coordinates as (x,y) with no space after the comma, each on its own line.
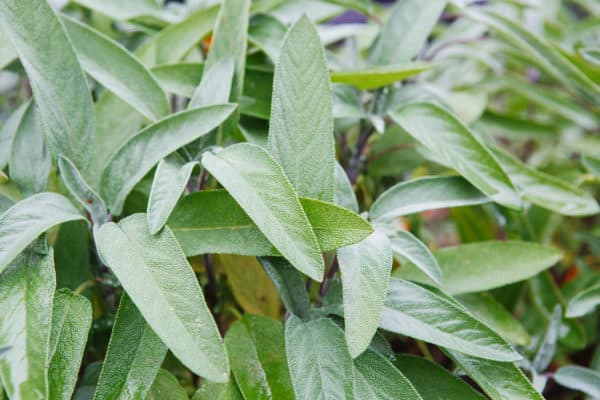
(211,286)
(333,268)
(85,285)
(425,350)
(356,162)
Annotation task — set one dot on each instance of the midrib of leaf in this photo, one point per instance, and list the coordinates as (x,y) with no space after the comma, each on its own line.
(211,228)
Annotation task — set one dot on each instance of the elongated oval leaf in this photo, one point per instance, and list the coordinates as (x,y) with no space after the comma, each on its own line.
(499,380)
(218,391)
(406,245)
(133,357)
(215,86)
(267,32)
(170,180)
(428,193)
(180,78)
(131,9)
(343,194)
(475,267)
(59,86)
(117,69)
(27,288)
(452,142)
(149,267)
(71,322)
(377,77)
(419,313)
(212,222)
(29,218)
(301,124)
(584,302)
(320,366)
(289,283)
(259,186)
(166,386)
(579,378)
(135,158)
(8,132)
(259,341)
(365,269)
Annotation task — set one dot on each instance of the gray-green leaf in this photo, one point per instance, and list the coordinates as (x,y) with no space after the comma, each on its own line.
(579,378)
(376,77)
(406,245)
(289,283)
(584,302)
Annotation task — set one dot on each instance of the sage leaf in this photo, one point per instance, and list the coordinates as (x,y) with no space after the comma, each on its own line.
(579,378)
(8,132)
(376,77)
(584,302)
(289,283)
(406,245)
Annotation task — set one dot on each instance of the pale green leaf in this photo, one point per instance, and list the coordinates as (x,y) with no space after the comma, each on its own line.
(57,80)
(260,187)
(8,132)
(579,378)
(131,9)
(405,245)
(166,387)
(592,164)
(475,267)
(149,267)
(343,194)
(584,302)
(376,77)
(547,347)
(450,141)
(71,322)
(7,52)
(180,78)
(218,391)
(301,124)
(215,86)
(365,269)
(413,311)
(289,283)
(267,32)
(29,218)
(320,366)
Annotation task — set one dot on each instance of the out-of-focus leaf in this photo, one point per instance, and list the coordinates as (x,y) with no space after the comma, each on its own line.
(377,77)
(579,378)
(215,86)
(592,164)
(475,267)
(267,32)
(54,73)
(301,124)
(166,387)
(584,302)
(132,9)
(218,391)
(343,194)
(406,245)
(413,311)
(547,347)
(149,267)
(289,283)
(8,132)
(180,78)
(455,145)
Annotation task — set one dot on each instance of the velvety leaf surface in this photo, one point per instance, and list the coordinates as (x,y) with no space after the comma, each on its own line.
(155,274)
(267,33)
(179,78)
(215,86)
(343,194)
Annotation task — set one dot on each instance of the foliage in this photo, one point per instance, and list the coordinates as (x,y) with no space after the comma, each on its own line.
(269,200)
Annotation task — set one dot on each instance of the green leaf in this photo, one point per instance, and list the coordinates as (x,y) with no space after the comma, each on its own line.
(579,378)
(267,32)
(547,346)
(499,380)
(475,267)
(405,32)
(301,124)
(427,193)
(584,302)
(170,180)
(454,145)
(81,191)
(289,283)
(590,54)
(8,132)
(149,266)
(166,387)
(592,164)
(413,311)
(57,80)
(7,55)
(540,52)
(405,245)
(433,381)
(133,358)
(132,9)
(365,269)
(320,366)
(117,69)
(29,218)
(218,391)
(375,378)
(259,341)
(72,255)
(212,222)
(489,311)
(547,191)
(27,288)
(215,86)
(135,158)
(71,322)
(30,161)
(376,77)
(343,194)
(180,78)
(258,183)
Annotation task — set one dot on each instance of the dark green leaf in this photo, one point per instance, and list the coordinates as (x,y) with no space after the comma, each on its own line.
(166,387)
(289,283)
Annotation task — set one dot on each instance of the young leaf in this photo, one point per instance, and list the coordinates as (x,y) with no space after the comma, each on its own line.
(29,218)
(259,341)
(258,184)
(421,194)
(71,322)
(406,245)
(133,357)
(212,222)
(583,379)
(58,83)
(170,180)
(377,379)
(499,380)
(433,381)
(149,267)
(30,160)
(454,145)
(215,86)
(376,77)
(413,311)
(8,132)
(166,386)
(475,267)
(320,365)
(27,288)
(365,269)
(584,302)
(301,124)
(289,283)
(117,69)
(136,157)
(405,31)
